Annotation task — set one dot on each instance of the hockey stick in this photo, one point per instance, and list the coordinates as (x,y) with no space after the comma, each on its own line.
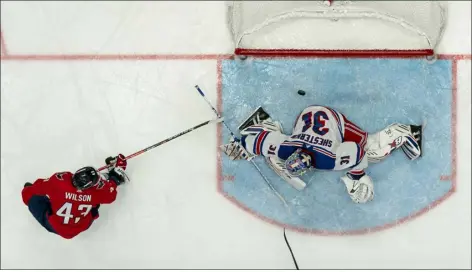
(214,121)
(291,252)
(234,136)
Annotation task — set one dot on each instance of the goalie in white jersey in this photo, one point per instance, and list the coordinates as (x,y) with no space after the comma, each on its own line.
(322,139)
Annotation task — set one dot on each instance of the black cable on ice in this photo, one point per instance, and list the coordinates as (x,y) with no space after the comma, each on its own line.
(291,252)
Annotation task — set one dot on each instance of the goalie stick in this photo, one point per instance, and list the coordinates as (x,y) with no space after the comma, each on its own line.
(234,136)
(214,121)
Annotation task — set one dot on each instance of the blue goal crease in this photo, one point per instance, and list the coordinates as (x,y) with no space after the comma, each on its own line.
(372,93)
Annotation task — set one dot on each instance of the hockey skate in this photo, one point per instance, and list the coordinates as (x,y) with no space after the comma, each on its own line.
(261,117)
(417,133)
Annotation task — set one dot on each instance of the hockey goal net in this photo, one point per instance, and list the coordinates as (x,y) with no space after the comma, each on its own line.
(334,28)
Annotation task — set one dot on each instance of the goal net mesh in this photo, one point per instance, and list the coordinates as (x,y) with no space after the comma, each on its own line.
(324,27)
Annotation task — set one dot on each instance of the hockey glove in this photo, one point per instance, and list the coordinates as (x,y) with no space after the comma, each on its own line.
(359,188)
(27,184)
(236,151)
(118,161)
(117,170)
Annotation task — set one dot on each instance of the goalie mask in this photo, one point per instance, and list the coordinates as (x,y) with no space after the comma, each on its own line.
(298,163)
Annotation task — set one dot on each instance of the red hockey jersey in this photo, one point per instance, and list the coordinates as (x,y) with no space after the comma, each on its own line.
(71,208)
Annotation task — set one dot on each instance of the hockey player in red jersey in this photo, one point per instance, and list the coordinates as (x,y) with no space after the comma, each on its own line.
(67,204)
(322,139)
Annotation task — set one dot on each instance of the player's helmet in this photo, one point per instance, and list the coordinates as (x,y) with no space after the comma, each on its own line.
(85,178)
(298,163)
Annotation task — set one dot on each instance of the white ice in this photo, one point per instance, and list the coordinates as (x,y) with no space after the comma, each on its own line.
(62,114)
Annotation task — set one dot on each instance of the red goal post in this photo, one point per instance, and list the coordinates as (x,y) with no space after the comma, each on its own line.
(336,28)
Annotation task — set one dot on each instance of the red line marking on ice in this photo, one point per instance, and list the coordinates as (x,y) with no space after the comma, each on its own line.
(219,108)
(346,233)
(454,125)
(80,57)
(103,57)
(3,44)
(455,56)
(445,177)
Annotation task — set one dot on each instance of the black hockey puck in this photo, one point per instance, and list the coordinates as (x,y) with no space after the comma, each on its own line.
(301,92)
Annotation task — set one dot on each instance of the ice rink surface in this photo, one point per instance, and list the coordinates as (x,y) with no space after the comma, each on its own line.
(82,81)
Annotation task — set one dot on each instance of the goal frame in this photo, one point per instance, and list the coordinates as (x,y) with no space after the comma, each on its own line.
(429,53)
(338,53)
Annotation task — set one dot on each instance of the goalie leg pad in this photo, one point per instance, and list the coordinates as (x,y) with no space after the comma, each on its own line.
(382,143)
(259,119)
(254,119)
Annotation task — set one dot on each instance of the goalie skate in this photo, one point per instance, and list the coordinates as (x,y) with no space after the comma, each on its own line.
(417,132)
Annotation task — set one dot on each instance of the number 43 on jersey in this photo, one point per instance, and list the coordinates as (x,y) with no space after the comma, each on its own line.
(66,212)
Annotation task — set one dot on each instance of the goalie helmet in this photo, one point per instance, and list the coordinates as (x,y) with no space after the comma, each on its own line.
(298,163)
(85,178)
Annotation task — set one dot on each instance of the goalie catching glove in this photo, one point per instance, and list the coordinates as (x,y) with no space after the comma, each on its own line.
(236,151)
